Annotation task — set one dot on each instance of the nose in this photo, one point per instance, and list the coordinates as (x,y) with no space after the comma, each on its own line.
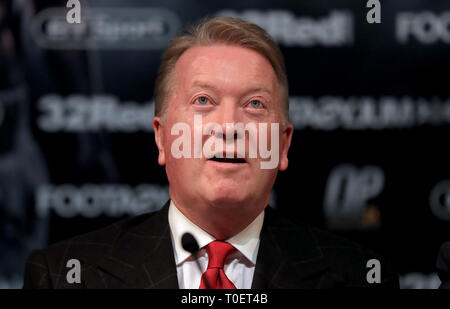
(227,116)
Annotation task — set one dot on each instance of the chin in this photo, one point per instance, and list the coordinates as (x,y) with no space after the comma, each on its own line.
(227,199)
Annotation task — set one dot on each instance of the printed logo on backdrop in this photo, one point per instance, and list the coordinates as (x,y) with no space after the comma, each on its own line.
(329,113)
(94,200)
(440,200)
(348,193)
(105,28)
(78,113)
(424,27)
(334,29)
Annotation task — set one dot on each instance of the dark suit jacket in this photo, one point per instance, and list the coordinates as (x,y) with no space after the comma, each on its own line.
(443,265)
(138,253)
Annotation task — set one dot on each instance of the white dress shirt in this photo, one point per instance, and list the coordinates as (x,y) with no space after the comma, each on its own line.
(239,266)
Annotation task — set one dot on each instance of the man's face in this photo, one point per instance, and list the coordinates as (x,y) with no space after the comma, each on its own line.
(224,84)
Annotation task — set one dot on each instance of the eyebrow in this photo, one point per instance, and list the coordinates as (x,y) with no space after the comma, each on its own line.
(206,85)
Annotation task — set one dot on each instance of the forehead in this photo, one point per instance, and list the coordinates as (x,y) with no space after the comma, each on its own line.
(225,66)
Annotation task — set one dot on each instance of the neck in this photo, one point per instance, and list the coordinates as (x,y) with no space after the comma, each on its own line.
(221,222)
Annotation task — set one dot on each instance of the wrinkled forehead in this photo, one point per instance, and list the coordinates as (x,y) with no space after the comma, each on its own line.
(226,67)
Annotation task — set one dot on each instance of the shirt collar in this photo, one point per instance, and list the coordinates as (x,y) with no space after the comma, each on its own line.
(246,241)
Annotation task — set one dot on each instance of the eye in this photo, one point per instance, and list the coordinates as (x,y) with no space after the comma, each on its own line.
(255,104)
(202,100)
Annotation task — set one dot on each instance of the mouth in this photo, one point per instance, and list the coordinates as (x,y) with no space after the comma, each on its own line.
(228,160)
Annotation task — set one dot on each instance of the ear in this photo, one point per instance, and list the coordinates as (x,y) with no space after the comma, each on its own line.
(159,138)
(285,138)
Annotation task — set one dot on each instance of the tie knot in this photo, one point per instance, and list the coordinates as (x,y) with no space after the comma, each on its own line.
(218,252)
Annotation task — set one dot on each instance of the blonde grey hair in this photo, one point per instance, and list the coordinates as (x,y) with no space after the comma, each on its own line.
(225,30)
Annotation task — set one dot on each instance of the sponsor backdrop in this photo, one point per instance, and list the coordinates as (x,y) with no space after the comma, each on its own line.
(369,103)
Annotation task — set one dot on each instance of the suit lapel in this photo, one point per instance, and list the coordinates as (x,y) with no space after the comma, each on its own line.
(142,255)
(289,257)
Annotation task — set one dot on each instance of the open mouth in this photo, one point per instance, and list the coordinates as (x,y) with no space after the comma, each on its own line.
(228,160)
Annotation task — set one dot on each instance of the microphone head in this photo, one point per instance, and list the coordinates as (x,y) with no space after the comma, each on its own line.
(189,243)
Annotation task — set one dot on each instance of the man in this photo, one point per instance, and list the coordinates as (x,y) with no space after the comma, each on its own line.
(224,72)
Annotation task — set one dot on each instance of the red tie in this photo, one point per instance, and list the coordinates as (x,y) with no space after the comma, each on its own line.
(214,277)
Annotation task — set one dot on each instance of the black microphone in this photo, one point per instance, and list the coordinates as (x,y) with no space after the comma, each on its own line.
(443,265)
(190,244)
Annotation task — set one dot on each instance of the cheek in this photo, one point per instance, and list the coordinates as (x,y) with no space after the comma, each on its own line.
(183,173)
(174,166)
(266,176)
